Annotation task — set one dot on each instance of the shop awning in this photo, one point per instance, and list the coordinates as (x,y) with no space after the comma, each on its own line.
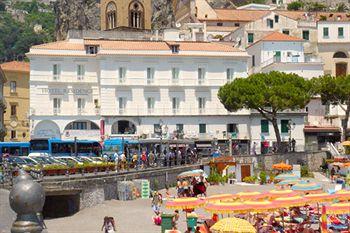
(321,129)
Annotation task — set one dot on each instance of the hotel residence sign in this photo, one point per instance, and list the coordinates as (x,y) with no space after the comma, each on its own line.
(64,91)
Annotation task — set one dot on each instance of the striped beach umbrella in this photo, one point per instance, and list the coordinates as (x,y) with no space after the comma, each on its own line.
(261,206)
(307,186)
(289,182)
(287,202)
(320,197)
(221,197)
(286,176)
(185,203)
(339,208)
(343,195)
(226,207)
(251,195)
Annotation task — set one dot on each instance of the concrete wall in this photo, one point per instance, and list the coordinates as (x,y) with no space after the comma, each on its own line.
(94,189)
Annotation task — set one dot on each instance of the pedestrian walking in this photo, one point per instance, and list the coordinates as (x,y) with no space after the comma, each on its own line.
(108,225)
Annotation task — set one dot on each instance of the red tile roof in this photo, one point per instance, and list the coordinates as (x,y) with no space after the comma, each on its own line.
(277,36)
(237,15)
(16,66)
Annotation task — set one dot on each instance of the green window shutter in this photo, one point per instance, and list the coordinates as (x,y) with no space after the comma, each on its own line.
(264,126)
(284,126)
(250,37)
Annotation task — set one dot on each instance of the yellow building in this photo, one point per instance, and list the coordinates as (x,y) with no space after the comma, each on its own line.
(16,93)
(134,14)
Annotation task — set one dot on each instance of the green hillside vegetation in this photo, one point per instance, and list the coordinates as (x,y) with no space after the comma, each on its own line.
(17,37)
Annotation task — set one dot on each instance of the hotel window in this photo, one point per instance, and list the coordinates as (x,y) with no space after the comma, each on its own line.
(264,124)
(91,49)
(327,109)
(56,71)
(269,23)
(306,34)
(277,18)
(219,24)
(237,24)
(56,105)
(175,75)
(201,104)
(150,104)
(80,72)
(325,32)
(175,48)
(13,110)
(175,104)
(340,32)
(201,75)
(285,32)
(122,74)
(202,128)
(81,104)
(150,75)
(230,74)
(122,104)
(284,126)
(250,38)
(179,128)
(13,134)
(13,86)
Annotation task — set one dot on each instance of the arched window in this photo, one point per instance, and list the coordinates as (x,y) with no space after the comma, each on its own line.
(340,55)
(136,15)
(111,15)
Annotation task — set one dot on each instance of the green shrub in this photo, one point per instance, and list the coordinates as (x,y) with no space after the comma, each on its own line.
(304,171)
(295,6)
(262,176)
(250,179)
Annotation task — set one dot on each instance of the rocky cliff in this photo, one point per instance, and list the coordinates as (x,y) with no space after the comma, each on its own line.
(76,14)
(85,14)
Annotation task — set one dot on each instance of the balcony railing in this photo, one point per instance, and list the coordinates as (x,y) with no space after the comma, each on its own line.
(307,59)
(65,112)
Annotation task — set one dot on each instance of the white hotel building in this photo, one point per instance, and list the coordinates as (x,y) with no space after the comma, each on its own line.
(90,88)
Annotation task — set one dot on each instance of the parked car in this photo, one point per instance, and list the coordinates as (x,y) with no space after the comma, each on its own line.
(70,159)
(15,160)
(94,160)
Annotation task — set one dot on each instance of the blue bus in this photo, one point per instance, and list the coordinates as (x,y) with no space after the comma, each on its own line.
(58,147)
(14,148)
(112,145)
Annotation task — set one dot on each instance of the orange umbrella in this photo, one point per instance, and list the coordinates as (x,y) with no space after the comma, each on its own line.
(282,193)
(343,195)
(286,202)
(319,197)
(339,208)
(346,164)
(221,197)
(261,206)
(282,167)
(185,203)
(251,195)
(226,207)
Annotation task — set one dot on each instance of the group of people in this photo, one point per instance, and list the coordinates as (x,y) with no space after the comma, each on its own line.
(140,160)
(198,186)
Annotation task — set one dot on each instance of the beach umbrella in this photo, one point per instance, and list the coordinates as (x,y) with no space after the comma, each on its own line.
(185,203)
(261,206)
(193,173)
(286,176)
(339,208)
(343,195)
(233,225)
(251,195)
(319,197)
(346,143)
(221,197)
(272,194)
(282,167)
(226,207)
(307,186)
(289,181)
(287,202)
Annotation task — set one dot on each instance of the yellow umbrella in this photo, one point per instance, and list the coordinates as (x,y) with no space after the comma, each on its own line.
(282,193)
(232,225)
(185,203)
(346,143)
(251,195)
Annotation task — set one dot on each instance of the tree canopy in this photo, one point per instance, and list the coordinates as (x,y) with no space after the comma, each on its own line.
(17,37)
(336,91)
(267,93)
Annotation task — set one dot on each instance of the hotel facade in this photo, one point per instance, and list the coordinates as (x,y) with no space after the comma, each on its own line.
(95,88)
